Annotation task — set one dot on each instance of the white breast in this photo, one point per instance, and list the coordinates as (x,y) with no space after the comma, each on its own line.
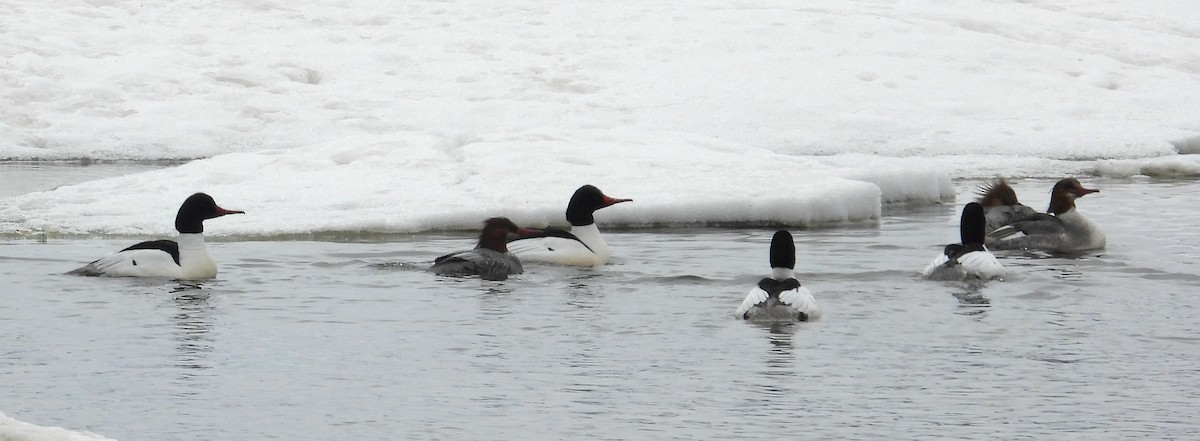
(1082,233)
(194,260)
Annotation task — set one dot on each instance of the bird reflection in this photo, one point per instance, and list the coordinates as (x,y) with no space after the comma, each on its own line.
(971,298)
(1068,273)
(580,292)
(780,360)
(972,295)
(193,324)
(494,303)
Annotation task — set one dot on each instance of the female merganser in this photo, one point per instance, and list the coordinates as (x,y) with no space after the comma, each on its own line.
(1062,229)
(780,297)
(186,259)
(490,259)
(968,259)
(582,245)
(1000,204)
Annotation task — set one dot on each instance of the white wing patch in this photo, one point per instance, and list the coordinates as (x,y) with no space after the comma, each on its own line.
(981,264)
(937,265)
(758,305)
(756,296)
(976,264)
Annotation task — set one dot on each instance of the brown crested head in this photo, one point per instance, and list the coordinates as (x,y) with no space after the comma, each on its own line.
(495,234)
(1064,193)
(996,193)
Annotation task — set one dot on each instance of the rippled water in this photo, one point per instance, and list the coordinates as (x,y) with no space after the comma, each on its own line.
(308,340)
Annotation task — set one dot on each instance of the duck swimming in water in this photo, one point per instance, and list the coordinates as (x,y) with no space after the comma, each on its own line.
(1061,229)
(186,258)
(582,245)
(780,297)
(490,259)
(969,258)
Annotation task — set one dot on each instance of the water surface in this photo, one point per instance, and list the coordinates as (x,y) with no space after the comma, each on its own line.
(21,177)
(315,340)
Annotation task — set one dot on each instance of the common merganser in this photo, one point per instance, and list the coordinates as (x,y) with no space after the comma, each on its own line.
(490,259)
(1061,229)
(780,297)
(186,259)
(582,245)
(1000,204)
(969,258)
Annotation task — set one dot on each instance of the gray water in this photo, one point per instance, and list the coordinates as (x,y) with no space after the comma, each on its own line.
(20,177)
(325,340)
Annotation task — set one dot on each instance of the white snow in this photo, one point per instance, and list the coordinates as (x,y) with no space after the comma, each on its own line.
(15,430)
(409,116)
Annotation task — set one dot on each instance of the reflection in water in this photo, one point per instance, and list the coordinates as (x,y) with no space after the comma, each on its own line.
(498,290)
(582,294)
(494,302)
(1068,273)
(972,294)
(631,350)
(588,384)
(396,265)
(192,326)
(780,360)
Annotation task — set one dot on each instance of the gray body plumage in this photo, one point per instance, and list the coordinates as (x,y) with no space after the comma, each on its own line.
(483,262)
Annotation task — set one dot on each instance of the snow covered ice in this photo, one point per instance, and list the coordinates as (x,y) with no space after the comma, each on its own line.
(15,430)
(411,116)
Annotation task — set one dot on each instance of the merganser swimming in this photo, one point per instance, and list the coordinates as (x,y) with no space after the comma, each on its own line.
(1000,204)
(490,259)
(780,297)
(186,259)
(969,258)
(1061,229)
(582,245)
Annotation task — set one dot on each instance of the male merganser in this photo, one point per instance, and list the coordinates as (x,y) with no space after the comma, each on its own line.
(582,245)
(780,297)
(968,259)
(186,259)
(1000,204)
(490,259)
(1062,229)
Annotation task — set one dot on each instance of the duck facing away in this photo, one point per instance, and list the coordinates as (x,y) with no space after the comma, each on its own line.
(780,297)
(582,245)
(490,259)
(1061,229)
(186,258)
(969,258)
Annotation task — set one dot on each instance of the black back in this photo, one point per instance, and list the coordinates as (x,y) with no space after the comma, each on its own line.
(783,250)
(169,246)
(774,287)
(553,232)
(971,227)
(954,251)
